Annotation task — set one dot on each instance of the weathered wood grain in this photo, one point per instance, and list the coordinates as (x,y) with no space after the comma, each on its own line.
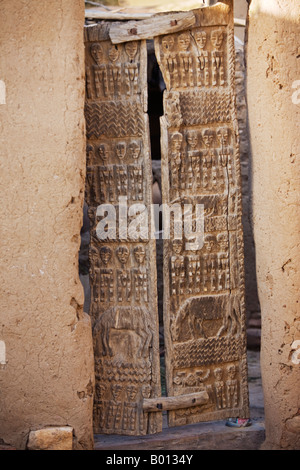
(204,306)
(175,403)
(122,262)
(149,28)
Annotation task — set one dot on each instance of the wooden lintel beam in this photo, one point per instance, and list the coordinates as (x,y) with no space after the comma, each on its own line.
(151,405)
(155,26)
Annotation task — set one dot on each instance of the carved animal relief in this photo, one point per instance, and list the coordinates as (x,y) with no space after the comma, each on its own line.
(204,311)
(122,270)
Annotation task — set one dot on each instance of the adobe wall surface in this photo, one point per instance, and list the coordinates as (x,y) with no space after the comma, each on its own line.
(46,363)
(273,106)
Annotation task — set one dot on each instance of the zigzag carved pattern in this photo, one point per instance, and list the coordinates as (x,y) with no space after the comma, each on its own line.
(204,107)
(207,351)
(114,119)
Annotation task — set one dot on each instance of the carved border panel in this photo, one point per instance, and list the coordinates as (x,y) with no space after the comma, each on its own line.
(123,266)
(204,309)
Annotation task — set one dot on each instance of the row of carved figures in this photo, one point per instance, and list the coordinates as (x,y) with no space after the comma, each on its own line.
(209,171)
(196,163)
(109,183)
(224,389)
(106,152)
(112,79)
(122,412)
(191,275)
(104,255)
(121,285)
(200,68)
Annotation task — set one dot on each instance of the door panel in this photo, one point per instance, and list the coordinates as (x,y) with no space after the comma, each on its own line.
(123,261)
(204,307)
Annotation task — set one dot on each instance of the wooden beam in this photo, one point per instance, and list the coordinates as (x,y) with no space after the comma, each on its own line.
(99,14)
(157,25)
(151,405)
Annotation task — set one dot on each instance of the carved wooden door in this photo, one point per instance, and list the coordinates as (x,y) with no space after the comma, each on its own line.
(204,311)
(204,308)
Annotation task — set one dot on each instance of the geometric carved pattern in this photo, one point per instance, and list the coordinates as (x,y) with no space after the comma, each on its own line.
(204,307)
(207,351)
(216,109)
(112,119)
(190,108)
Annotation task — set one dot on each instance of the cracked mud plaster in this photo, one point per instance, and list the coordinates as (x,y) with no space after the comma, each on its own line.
(273,117)
(42,161)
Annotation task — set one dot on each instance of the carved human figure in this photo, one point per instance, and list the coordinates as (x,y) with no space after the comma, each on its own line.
(134,150)
(206,262)
(209,161)
(103,152)
(105,188)
(136,182)
(114,71)
(177,270)
(130,409)
(219,387)
(225,152)
(194,156)
(210,264)
(90,194)
(90,154)
(114,411)
(143,420)
(123,285)
(105,254)
(131,68)
(218,73)
(106,285)
(122,180)
(172,108)
(121,150)
(210,243)
(232,387)
(170,60)
(131,49)
(139,254)
(193,274)
(223,261)
(223,242)
(100,72)
(186,60)
(100,404)
(203,59)
(122,254)
(223,271)
(176,146)
(140,285)
(94,272)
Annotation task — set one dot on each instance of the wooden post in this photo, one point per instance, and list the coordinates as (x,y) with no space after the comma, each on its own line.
(175,403)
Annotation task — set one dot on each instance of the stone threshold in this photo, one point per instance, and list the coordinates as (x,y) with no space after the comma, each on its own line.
(204,436)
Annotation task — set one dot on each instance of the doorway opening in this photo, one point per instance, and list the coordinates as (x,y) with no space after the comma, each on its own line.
(156,87)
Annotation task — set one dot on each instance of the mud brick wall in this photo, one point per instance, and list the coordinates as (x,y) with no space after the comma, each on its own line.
(47,378)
